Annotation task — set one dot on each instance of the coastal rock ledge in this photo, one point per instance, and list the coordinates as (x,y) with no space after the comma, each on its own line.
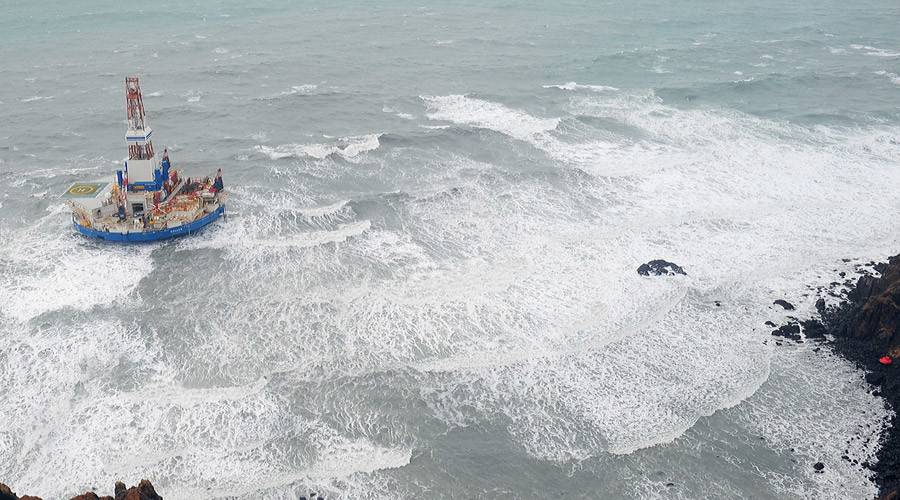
(866,331)
(143,491)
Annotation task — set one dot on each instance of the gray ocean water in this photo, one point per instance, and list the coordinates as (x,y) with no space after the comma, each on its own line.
(425,286)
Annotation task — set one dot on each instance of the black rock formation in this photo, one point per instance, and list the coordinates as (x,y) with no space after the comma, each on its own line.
(660,268)
(865,329)
(785,304)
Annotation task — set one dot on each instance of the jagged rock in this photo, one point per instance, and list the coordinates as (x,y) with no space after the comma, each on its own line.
(91,496)
(785,304)
(660,268)
(865,328)
(143,491)
(6,493)
(873,313)
(819,466)
(788,331)
(813,329)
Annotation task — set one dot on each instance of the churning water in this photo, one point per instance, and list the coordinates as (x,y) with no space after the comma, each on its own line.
(426,286)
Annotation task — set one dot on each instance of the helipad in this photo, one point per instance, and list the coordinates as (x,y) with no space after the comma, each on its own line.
(85,190)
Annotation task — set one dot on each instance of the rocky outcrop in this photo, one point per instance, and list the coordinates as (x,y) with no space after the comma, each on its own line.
(660,268)
(872,313)
(143,491)
(866,329)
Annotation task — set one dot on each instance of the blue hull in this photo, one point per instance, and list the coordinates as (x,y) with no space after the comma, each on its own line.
(152,235)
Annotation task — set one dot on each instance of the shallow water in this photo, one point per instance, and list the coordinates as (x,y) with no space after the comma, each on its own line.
(426,286)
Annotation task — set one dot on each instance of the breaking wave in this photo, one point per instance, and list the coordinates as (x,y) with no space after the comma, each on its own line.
(347,148)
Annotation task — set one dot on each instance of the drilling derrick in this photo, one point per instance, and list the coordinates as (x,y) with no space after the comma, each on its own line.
(141,170)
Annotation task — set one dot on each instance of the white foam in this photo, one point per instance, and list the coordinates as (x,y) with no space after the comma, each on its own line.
(37,98)
(875,51)
(575,86)
(519,125)
(324,210)
(304,89)
(508,296)
(317,238)
(484,114)
(700,176)
(829,428)
(894,78)
(346,147)
(56,269)
(405,116)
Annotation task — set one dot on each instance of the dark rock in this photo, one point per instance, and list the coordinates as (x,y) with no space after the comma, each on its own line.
(819,466)
(813,329)
(864,328)
(788,331)
(660,268)
(144,491)
(875,378)
(87,496)
(769,323)
(785,304)
(820,306)
(6,493)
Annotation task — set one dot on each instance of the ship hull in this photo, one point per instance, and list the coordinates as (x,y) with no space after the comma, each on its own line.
(151,234)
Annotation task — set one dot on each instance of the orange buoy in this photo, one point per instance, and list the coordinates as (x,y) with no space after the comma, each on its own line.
(885,360)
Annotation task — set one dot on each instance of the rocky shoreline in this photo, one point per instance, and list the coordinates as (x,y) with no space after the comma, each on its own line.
(863,328)
(143,491)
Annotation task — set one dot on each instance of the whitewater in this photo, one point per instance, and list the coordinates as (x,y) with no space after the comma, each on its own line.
(426,284)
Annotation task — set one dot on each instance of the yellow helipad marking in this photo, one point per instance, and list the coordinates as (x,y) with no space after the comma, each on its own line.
(82,189)
(85,189)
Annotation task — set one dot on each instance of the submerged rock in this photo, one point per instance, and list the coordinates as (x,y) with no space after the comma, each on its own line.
(660,268)
(785,304)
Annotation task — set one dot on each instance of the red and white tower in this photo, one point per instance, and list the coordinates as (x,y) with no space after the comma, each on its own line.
(141,167)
